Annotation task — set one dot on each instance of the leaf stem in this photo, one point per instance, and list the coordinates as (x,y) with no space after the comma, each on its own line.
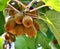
(14,8)
(38,8)
(31,3)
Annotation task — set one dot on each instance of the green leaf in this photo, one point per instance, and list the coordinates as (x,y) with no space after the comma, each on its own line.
(53,22)
(2,22)
(31,43)
(57,46)
(55,4)
(50,35)
(42,40)
(20,43)
(43,26)
(23,42)
(1,43)
(3,4)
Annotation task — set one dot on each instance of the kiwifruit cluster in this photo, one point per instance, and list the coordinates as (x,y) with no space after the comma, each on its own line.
(22,24)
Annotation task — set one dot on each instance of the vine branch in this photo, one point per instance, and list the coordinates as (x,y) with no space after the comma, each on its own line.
(14,8)
(35,16)
(20,3)
(29,11)
(37,8)
(32,15)
(31,3)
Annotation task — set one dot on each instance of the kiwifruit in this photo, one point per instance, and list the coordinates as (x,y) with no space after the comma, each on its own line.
(37,26)
(19,30)
(27,21)
(10,24)
(11,12)
(7,37)
(18,18)
(31,32)
(10,37)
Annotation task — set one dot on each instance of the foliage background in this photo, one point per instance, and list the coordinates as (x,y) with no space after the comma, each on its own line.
(49,30)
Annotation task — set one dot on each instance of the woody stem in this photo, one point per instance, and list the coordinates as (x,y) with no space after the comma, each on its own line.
(38,8)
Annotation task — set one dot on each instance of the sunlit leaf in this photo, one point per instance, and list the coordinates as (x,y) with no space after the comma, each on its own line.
(3,4)
(55,4)
(1,43)
(53,22)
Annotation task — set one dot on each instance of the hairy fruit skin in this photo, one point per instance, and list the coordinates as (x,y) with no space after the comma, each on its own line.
(7,37)
(37,26)
(10,37)
(19,30)
(10,24)
(18,18)
(31,32)
(27,21)
(11,12)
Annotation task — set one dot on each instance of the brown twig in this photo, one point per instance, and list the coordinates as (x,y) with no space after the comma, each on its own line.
(14,8)
(35,16)
(31,3)
(20,3)
(32,15)
(37,8)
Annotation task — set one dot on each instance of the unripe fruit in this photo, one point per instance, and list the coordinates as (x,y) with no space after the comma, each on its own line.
(31,32)
(18,18)
(19,30)
(9,26)
(37,26)
(27,21)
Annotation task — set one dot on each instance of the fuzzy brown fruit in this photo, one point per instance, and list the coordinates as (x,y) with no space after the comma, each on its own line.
(10,37)
(9,26)
(27,21)
(7,37)
(19,30)
(11,12)
(18,18)
(31,32)
(37,26)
